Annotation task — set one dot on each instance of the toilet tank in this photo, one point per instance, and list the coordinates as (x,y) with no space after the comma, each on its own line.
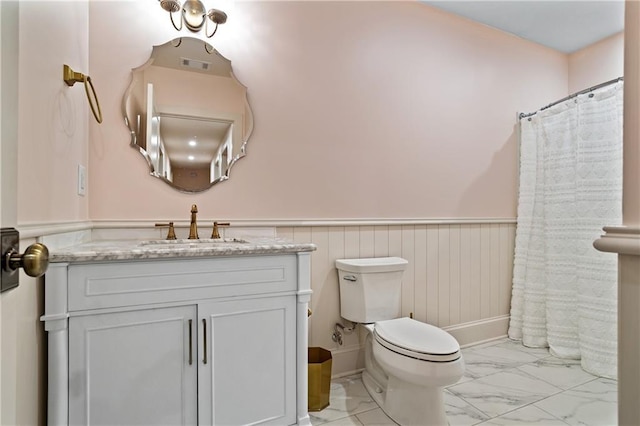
(370,289)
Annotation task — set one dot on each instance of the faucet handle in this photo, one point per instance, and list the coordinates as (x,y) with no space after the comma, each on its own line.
(215,234)
(171,235)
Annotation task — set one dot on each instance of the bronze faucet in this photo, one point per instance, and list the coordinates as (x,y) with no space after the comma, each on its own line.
(193,228)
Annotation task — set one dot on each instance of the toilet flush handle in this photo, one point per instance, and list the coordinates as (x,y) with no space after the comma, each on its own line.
(351,278)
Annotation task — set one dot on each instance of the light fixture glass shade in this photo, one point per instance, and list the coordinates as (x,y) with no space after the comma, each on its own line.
(193,14)
(217,16)
(170,5)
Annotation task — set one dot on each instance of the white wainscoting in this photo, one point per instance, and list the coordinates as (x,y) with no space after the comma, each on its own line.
(459,277)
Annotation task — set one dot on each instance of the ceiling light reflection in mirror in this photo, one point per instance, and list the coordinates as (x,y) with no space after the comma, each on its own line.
(188,115)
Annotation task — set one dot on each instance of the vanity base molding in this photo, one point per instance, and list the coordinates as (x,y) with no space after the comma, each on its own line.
(220,340)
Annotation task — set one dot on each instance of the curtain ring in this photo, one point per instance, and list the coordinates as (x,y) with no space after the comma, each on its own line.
(87,83)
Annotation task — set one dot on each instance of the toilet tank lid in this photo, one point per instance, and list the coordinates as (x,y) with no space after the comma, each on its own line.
(369,265)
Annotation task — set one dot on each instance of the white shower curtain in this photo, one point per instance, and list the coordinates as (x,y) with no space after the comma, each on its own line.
(564,291)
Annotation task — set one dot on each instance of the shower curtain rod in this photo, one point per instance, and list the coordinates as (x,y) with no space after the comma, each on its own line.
(582,92)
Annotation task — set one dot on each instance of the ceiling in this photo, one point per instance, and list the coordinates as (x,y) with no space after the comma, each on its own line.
(566,26)
(206,133)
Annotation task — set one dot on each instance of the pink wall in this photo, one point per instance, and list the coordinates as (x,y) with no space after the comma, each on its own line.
(362,110)
(411,119)
(53,118)
(595,64)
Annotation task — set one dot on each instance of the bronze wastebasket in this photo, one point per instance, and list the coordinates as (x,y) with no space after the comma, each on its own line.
(319,378)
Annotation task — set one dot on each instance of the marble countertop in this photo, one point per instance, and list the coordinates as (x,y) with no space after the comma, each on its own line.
(97,251)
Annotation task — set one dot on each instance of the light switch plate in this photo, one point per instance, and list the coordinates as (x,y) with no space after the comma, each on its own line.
(10,239)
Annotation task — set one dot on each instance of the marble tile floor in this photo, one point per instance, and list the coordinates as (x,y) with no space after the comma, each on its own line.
(505,384)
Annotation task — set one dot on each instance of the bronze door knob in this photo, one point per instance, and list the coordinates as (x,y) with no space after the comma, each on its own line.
(35,260)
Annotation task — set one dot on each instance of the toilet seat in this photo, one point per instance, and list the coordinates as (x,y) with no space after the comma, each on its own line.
(416,340)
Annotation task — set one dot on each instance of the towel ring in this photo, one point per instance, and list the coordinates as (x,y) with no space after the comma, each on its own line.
(71,77)
(87,83)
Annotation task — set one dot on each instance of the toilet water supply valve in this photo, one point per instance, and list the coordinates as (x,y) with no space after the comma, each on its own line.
(337,334)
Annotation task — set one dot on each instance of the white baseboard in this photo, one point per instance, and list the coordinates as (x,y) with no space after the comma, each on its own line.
(347,361)
(482,331)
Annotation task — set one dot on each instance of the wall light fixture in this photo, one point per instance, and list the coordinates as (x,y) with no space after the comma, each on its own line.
(194,15)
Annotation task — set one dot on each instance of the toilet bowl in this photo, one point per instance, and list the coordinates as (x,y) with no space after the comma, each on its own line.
(407,362)
(418,360)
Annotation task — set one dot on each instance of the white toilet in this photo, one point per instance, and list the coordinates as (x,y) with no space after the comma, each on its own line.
(407,362)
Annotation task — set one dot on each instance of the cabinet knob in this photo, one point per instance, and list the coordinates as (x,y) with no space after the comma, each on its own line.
(35,260)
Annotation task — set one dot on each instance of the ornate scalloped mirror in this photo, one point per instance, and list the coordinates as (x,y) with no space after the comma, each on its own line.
(187,114)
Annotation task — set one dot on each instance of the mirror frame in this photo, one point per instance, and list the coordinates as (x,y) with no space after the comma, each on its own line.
(133,133)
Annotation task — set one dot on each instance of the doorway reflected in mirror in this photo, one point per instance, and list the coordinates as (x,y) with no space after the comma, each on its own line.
(187,114)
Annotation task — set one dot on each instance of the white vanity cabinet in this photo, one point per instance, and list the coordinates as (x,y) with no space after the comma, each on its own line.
(131,368)
(249,374)
(208,341)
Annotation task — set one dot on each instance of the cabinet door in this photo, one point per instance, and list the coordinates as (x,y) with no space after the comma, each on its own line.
(132,368)
(248,373)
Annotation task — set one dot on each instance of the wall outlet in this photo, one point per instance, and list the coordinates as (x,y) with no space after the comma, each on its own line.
(82,180)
